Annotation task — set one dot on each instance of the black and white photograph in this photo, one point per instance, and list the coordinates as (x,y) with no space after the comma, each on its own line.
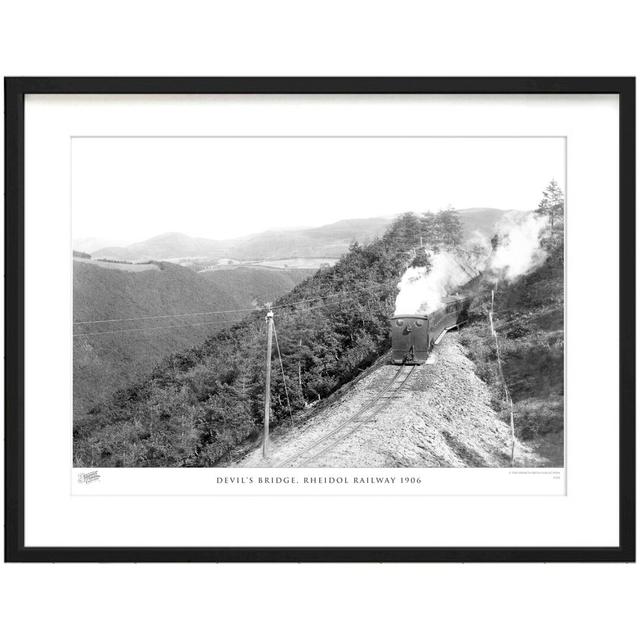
(318,301)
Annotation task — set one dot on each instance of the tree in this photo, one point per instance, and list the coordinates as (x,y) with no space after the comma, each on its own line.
(552,205)
(407,230)
(450,228)
(443,230)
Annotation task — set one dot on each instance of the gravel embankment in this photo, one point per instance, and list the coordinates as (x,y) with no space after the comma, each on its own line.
(441,418)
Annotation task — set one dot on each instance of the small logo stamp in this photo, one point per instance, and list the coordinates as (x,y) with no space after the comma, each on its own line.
(88,477)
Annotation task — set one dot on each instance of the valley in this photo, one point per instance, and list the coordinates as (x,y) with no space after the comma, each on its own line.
(129,316)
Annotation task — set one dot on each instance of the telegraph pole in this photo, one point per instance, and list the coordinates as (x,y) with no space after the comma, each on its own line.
(267,395)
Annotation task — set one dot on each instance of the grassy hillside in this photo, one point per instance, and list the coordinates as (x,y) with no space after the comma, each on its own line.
(122,354)
(529,320)
(259,285)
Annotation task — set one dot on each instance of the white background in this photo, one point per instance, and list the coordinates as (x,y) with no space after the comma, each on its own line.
(329,38)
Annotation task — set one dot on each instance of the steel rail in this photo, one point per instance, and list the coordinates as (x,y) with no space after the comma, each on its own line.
(340,426)
(361,420)
(357,417)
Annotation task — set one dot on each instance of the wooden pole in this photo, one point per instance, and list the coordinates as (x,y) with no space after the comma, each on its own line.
(513,436)
(267,394)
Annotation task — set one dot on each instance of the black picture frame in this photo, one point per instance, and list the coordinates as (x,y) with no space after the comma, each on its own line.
(15,91)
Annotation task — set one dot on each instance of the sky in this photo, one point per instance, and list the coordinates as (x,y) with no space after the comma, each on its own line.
(126,190)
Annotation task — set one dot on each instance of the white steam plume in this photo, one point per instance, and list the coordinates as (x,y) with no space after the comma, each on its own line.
(518,251)
(422,292)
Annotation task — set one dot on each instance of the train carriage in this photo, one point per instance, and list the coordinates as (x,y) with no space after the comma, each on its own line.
(413,335)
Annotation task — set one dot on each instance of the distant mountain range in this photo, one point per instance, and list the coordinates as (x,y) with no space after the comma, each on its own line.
(164,247)
(327,241)
(330,240)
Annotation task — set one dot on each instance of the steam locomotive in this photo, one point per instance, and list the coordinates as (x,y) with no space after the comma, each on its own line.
(413,335)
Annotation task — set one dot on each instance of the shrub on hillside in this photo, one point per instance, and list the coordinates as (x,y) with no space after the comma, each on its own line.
(201,403)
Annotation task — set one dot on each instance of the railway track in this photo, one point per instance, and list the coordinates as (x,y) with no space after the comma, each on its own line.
(352,424)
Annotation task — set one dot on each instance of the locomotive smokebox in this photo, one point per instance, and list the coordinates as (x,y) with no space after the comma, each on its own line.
(410,339)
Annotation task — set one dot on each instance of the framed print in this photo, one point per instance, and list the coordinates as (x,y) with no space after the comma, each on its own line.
(320,319)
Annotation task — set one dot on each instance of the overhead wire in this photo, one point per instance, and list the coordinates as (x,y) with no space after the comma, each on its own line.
(177,315)
(225,311)
(179,326)
(213,323)
(171,326)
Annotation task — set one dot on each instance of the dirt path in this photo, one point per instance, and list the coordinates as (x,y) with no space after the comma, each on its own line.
(441,418)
